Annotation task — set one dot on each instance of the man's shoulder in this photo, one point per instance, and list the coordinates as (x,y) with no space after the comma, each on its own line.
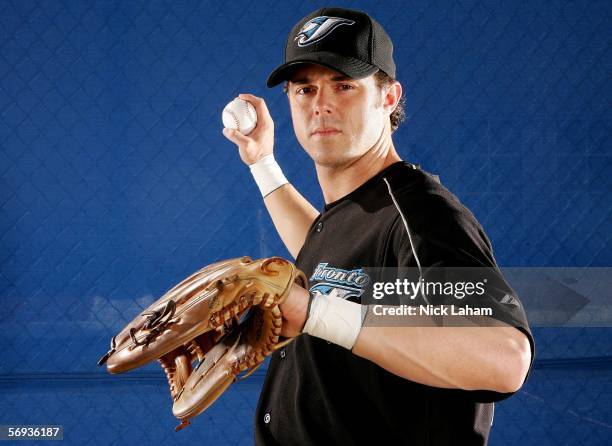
(410,182)
(424,199)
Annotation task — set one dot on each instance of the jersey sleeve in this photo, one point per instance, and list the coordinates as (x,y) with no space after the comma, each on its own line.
(438,234)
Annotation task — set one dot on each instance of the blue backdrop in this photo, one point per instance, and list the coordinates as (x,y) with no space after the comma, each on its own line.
(116,182)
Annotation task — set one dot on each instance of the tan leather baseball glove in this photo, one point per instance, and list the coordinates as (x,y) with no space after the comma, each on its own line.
(221,321)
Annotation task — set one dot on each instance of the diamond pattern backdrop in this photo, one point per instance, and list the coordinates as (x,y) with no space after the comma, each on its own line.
(116,182)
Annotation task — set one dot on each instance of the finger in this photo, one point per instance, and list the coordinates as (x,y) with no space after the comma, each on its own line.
(235,136)
(260,105)
(250,97)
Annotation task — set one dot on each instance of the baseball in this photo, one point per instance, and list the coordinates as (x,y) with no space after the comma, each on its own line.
(240,115)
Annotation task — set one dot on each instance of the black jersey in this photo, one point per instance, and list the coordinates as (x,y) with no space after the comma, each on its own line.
(318,393)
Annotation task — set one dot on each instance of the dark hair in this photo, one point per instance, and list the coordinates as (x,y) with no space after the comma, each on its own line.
(382,80)
(399,114)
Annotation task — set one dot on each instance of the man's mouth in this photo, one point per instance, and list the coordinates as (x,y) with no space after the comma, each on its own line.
(325,131)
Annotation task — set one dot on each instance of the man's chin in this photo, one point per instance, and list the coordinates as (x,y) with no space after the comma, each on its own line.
(330,160)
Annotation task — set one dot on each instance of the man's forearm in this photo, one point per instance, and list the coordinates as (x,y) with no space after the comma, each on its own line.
(292,215)
(470,358)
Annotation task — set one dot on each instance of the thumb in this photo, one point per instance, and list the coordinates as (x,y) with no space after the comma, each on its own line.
(235,136)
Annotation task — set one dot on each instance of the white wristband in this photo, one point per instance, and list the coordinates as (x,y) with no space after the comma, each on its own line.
(334,319)
(268,174)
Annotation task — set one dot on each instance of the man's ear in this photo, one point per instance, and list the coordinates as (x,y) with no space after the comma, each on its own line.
(392,95)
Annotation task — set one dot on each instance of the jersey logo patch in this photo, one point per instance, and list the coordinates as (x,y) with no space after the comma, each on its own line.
(319,28)
(509,300)
(338,282)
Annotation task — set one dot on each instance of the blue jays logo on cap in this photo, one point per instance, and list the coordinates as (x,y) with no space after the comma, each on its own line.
(318,28)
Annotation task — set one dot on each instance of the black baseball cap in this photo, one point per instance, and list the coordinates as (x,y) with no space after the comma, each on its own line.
(348,41)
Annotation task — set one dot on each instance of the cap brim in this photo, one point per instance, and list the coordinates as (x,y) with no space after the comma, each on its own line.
(351,67)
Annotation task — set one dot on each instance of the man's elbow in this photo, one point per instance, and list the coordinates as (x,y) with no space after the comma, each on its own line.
(516,366)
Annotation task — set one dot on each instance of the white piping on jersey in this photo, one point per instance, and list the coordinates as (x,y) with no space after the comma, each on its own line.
(416,257)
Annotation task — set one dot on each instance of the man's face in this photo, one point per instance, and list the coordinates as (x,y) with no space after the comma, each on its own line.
(336,119)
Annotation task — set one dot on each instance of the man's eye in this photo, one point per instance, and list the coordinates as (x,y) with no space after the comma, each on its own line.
(345,87)
(304,90)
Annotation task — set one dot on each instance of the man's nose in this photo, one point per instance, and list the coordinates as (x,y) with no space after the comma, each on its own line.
(322,103)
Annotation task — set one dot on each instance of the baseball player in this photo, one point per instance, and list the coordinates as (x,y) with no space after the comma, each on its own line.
(342,381)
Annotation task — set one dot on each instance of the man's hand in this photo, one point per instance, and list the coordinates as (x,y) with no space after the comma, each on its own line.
(260,142)
(294,311)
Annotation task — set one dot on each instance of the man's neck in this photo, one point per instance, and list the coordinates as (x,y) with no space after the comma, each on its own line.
(337,182)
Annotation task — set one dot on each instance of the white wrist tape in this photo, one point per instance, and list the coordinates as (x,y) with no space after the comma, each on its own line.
(335,320)
(268,174)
